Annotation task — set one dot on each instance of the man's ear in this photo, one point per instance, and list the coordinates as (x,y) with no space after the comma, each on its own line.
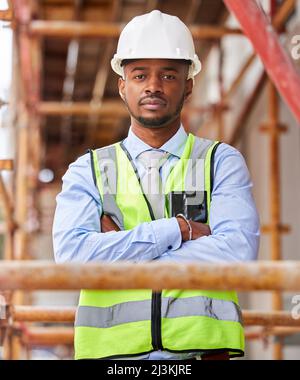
(121,85)
(188,89)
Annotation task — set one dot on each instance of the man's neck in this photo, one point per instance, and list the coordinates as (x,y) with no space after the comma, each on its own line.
(155,137)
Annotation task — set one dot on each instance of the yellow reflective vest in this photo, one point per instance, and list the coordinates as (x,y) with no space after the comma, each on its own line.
(120,323)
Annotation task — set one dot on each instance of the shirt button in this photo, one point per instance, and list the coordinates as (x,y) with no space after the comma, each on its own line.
(170,247)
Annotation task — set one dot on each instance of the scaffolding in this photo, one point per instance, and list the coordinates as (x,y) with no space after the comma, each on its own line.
(29,275)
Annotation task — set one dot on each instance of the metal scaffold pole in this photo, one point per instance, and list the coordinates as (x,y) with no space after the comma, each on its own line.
(264,275)
(277,63)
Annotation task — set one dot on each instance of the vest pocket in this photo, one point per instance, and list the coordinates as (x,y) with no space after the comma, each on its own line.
(192,204)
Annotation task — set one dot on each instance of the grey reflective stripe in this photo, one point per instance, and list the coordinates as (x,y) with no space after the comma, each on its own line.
(107,162)
(201,306)
(195,174)
(201,147)
(102,317)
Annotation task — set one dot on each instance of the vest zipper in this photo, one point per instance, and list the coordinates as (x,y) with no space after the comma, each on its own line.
(156,321)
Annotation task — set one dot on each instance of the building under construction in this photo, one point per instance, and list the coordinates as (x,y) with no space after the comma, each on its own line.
(59,97)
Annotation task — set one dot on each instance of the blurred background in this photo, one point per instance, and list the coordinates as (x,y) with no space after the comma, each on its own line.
(59,97)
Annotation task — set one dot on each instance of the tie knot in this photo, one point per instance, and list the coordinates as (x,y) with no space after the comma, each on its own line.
(153,158)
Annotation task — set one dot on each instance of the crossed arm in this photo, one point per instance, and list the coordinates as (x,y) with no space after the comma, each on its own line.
(232,235)
(198,229)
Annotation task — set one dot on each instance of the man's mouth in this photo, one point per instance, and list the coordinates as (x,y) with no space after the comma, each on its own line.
(153,104)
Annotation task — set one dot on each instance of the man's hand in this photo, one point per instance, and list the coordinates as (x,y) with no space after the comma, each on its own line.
(107,224)
(198,229)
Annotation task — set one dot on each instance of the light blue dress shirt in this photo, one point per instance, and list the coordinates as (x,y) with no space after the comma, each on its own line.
(234,220)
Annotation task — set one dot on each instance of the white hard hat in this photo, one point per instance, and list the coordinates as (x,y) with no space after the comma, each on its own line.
(156,35)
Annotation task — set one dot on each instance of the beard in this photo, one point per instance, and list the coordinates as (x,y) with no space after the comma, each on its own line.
(158,122)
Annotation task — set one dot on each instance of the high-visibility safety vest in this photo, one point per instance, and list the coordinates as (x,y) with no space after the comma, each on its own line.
(120,323)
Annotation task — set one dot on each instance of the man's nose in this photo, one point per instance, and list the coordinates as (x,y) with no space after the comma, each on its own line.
(154,85)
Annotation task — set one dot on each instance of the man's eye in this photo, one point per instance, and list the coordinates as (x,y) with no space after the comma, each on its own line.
(140,76)
(168,77)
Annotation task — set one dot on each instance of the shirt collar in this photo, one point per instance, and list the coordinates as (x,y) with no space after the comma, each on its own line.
(175,145)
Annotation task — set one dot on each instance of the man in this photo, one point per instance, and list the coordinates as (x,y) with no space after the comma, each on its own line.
(158,195)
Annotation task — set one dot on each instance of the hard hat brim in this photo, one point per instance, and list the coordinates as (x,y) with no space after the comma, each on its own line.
(195,67)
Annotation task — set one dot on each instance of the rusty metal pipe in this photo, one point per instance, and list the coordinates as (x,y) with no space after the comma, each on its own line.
(265,41)
(41,275)
(20,313)
(49,336)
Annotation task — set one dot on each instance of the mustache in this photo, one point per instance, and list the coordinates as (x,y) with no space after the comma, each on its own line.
(152,97)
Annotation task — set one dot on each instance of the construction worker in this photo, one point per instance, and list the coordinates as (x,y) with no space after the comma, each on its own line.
(160,194)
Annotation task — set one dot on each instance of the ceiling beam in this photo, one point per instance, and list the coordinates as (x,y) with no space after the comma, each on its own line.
(76,29)
(107,108)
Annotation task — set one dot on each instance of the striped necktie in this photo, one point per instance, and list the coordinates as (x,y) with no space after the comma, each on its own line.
(151,183)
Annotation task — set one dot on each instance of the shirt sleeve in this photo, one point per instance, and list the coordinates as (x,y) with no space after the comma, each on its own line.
(233,220)
(77,233)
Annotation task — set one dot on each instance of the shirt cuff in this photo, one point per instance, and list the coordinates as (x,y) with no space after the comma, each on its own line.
(167,234)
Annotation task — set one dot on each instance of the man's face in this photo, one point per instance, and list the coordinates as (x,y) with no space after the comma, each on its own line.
(154,90)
